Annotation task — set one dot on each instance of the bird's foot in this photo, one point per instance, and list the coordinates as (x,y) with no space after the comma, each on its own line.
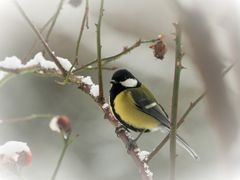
(119,129)
(132,144)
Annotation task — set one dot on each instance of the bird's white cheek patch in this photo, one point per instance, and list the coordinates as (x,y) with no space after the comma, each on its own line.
(129,83)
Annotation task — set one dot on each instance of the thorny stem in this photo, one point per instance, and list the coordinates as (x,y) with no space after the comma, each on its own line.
(20,70)
(31,69)
(36,41)
(28,118)
(157,149)
(54,20)
(34,28)
(183,117)
(67,142)
(99,52)
(173,123)
(84,21)
(103,68)
(112,58)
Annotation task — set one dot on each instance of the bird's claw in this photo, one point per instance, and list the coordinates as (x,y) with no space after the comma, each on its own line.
(119,129)
(131,145)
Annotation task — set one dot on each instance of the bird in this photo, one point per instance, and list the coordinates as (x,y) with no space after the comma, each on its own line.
(136,108)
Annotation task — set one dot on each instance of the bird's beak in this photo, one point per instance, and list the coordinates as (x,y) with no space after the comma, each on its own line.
(113,81)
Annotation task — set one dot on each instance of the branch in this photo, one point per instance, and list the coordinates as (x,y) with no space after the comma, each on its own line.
(28,118)
(112,68)
(157,149)
(173,123)
(31,69)
(84,21)
(54,20)
(36,41)
(34,28)
(67,142)
(20,70)
(125,51)
(99,52)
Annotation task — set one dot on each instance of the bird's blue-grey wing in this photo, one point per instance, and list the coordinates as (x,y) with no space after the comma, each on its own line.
(146,103)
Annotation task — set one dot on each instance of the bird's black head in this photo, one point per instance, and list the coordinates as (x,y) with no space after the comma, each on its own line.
(124,78)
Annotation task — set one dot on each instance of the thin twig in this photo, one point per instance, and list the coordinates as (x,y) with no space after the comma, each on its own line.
(84,21)
(31,69)
(29,118)
(156,150)
(66,144)
(173,123)
(20,70)
(183,117)
(197,100)
(99,52)
(36,41)
(34,28)
(117,56)
(54,20)
(36,68)
(103,68)
(6,78)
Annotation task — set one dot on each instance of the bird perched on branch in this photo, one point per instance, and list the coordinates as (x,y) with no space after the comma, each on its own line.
(137,109)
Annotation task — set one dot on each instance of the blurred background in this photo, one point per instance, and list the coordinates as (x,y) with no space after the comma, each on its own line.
(210,42)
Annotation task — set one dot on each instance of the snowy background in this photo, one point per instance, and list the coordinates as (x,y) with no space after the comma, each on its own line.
(98,153)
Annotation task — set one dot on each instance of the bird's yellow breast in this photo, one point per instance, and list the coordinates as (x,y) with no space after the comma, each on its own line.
(124,106)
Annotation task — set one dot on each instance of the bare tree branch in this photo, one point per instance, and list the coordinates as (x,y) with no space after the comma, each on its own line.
(34,28)
(176,84)
(99,52)
(84,21)
(125,51)
(54,20)
(28,118)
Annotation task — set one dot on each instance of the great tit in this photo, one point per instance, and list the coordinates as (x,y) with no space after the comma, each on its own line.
(137,109)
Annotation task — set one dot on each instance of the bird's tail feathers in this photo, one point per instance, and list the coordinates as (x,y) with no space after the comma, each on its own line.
(182,143)
(185,145)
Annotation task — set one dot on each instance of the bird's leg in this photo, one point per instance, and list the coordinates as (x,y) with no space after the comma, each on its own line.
(120,128)
(133,142)
(139,135)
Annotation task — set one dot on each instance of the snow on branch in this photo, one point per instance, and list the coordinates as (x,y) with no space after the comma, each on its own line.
(13,65)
